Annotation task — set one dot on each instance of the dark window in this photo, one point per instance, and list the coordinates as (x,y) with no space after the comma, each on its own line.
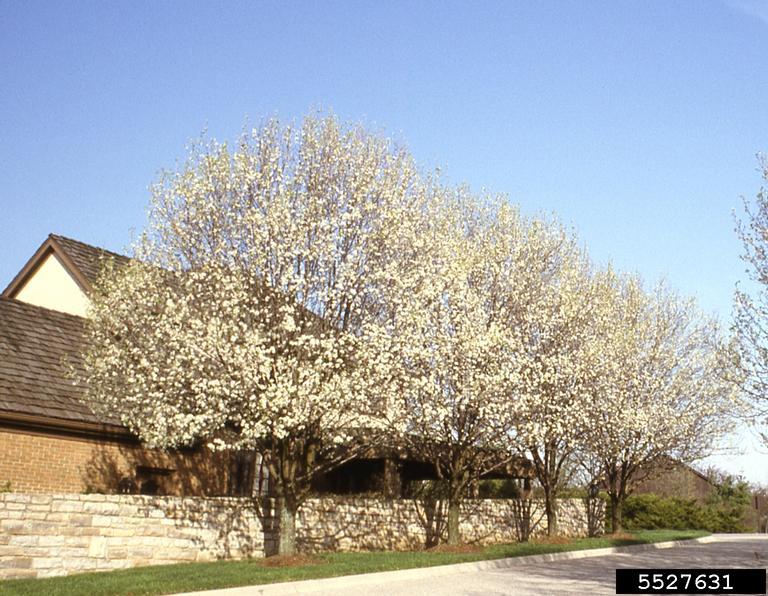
(153,481)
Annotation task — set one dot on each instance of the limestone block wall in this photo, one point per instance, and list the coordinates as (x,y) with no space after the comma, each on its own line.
(354,524)
(59,534)
(45,535)
(357,524)
(488,521)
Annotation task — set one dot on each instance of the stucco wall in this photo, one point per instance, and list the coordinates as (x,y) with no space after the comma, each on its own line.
(51,286)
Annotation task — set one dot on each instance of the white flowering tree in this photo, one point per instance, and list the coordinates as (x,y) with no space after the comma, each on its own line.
(239,323)
(663,392)
(447,369)
(750,316)
(548,289)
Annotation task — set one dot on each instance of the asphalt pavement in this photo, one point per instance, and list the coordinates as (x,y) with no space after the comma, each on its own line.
(526,576)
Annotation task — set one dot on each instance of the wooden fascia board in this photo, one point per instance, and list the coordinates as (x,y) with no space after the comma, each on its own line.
(81,280)
(55,426)
(29,268)
(46,248)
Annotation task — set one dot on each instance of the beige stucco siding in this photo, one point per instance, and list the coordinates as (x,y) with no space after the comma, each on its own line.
(51,286)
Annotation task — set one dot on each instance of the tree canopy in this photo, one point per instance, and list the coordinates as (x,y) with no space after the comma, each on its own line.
(308,291)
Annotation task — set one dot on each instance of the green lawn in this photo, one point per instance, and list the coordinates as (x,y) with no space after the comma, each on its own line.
(167,579)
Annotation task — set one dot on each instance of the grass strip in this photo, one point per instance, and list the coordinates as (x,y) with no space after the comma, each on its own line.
(188,577)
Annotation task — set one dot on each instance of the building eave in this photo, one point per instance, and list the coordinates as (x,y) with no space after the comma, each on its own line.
(28,423)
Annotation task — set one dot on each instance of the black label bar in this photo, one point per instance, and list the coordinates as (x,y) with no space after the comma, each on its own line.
(690,581)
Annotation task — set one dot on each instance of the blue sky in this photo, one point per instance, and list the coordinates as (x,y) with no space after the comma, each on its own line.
(636,122)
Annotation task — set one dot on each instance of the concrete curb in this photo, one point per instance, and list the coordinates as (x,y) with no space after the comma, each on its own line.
(378,578)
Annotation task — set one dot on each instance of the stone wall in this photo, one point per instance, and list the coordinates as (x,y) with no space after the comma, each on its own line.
(354,524)
(46,535)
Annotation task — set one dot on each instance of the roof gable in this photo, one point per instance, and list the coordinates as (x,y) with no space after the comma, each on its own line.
(51,285)
(60,275)
(85,258)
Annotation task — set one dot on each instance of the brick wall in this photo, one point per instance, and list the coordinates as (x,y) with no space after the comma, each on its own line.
(45,463)
(46,535)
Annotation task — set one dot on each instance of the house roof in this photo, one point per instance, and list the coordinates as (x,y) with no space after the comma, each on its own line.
(37,345)
(87,258)
(83,262)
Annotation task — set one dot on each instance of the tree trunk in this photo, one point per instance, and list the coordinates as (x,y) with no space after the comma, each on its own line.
(287,535)
(453,521)
(617,505)
(548,464)
(594,518)
(550,507)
